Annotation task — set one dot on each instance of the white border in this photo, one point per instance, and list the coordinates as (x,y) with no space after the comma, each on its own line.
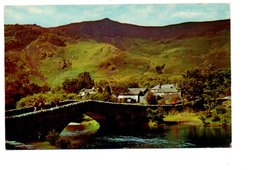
(245,99)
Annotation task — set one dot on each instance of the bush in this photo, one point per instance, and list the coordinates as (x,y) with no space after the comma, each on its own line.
(218,113)
(226,118)
(155,115)
(99,96)
(215,117)
(83,80)
(71,96)
(63,143)
(31,100)
(119,88)
(151,98)
(43,98)
(159,69)
(203,120)
(52,137)
(220,110)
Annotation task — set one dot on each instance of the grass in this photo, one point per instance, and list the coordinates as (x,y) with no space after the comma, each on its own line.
(139,58)
(84,56)
(184,117)
(42,145)
(196,117)
(90,124)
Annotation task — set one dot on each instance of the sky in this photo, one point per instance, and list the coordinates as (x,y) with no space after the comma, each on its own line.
(140,14)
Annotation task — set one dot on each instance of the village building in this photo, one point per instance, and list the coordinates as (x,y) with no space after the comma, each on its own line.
(85,92)
(168,92)
(134,95)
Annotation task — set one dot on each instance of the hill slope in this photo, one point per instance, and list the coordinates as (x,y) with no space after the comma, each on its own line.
(112,50)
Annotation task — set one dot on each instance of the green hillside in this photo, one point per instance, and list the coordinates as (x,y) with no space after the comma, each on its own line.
(48,58)
(105,61)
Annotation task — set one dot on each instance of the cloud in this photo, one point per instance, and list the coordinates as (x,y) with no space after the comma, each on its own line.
(160,14)
(11,14)
(35,10)
(188,14)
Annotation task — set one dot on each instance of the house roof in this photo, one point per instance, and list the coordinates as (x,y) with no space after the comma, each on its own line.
(165,88)
(135,91)
(86,90)
(166,91)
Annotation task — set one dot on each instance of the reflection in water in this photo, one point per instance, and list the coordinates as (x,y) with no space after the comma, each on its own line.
(172,136)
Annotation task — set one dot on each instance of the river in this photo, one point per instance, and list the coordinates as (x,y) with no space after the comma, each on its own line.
(171,136)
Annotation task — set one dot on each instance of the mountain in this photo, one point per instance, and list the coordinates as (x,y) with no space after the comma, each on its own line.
(105,30)
(111,50)
(109,28)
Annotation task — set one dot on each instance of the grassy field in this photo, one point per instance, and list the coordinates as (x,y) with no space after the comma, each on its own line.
(104,61)
(184,117)
(195,117)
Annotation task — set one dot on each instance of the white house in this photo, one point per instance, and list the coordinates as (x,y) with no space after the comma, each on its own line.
(134,95)
(85,92)
(168,92)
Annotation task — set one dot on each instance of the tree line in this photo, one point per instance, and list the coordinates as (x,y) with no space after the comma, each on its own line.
(200,87)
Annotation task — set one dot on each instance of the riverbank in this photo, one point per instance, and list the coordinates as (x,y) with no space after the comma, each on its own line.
(184,117)
(196,118)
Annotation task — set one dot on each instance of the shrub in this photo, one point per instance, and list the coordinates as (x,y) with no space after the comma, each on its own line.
(99,96)
(83,80)
(218,113)
(31,100)
(220,110)
(155,115)
(52,137)
(71,96)
(226,118)
(203,120)
(45,98)
(63,143)
(159,69)
(215,117)
(151,98)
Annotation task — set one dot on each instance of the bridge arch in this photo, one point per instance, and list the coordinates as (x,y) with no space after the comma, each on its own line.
(26,126)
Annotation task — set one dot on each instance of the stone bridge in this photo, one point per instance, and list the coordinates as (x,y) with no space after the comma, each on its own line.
(22,125)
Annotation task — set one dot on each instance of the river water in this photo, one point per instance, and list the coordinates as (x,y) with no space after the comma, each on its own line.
(171,136)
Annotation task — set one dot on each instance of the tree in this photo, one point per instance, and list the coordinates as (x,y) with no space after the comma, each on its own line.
(52,137)
(151,98)
(83,80)
(204,86)
(225,74)
(70,85)
(192,85)
(133,84)
(107,90)
(18,89)
(155,115)
(159,69)
(119,88)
